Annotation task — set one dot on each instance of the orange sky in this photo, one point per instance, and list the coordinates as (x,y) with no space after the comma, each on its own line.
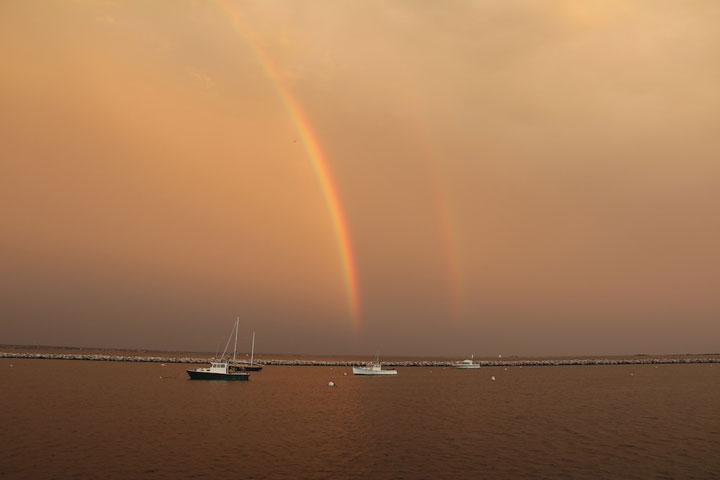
(516,177)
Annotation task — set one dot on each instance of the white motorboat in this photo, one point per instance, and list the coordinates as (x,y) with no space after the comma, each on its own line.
(467,363)
(373,368)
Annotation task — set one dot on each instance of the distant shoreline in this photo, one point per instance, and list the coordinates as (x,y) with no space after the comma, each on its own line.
(644,360)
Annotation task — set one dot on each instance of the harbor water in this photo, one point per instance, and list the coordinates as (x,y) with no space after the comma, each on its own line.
(82,419)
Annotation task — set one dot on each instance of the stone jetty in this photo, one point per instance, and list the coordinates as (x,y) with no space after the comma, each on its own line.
(355,363)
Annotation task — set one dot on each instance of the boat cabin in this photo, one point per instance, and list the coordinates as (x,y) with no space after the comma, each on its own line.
(374,366)
(215,367)
(219,367)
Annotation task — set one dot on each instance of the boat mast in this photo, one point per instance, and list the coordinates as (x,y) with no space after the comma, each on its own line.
(237,323)
(227,345)
(252,351)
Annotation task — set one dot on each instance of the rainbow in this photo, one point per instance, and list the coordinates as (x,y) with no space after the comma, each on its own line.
(316,157)
(447,229)
(447,223)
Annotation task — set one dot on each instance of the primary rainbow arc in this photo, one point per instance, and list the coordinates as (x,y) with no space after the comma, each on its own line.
(317,159)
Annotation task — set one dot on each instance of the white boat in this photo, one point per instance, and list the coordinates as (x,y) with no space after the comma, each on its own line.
(467,363)
(221,369)
(373,368)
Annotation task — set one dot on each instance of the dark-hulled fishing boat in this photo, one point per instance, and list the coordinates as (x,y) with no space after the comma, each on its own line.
(222,369)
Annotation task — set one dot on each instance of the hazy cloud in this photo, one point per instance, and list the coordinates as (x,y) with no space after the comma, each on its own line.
(517,177)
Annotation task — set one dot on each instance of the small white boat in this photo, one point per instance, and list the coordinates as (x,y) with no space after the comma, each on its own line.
(467,363)
(373,368)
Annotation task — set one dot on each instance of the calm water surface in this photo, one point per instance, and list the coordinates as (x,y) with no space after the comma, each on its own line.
(74,419)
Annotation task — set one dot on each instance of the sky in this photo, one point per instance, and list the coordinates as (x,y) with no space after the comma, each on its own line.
(497,177)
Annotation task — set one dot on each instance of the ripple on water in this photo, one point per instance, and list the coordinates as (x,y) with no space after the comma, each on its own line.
(559,422)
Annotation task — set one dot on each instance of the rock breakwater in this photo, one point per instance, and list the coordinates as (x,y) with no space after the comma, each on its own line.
(354,363)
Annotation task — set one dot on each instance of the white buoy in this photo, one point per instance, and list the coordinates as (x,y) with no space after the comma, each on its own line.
(331,384)
(506,369)
(345,373)
(499,356)
(492,378)
(162,364)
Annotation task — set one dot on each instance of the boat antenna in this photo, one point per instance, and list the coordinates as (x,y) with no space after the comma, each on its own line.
(252,352)
(237,323)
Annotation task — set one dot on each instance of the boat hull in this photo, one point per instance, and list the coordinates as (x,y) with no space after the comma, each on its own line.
(252,368)
(195,375)
(368,372)
(467,367)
